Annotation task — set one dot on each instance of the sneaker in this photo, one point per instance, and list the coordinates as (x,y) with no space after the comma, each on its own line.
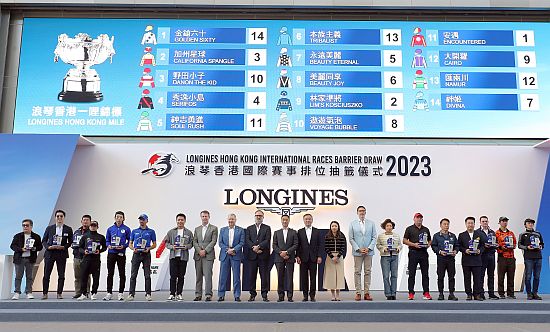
(441,297)
(511,297)
(148,297)
(44,296)
(171,298)
(93,297)
(130,298)
(30,296)
(59,296)
(452,297)
(537,297)
(529,296)
(411,296)
(108,297)
(15,296)
(426,296)
(120,297)
(179,298)
(82,298)
(76,296)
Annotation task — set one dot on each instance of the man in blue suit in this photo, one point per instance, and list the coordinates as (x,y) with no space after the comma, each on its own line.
(231,254)
(362,237)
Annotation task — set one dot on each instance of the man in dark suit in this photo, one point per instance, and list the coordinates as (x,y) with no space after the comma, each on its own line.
(472,245)
(308,256)
(57,240)
(285,244)
(258,237)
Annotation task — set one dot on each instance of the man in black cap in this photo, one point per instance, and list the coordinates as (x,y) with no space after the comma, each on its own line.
(418,238)
(531,243)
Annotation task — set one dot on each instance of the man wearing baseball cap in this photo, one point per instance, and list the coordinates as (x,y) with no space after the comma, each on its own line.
(506,262)
(531,243)
(418,238)
(142,241)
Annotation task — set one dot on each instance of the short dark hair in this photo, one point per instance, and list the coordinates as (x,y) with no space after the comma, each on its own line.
(361,206)
(87,216)
(60,211)
(442,220)
(181,215)
(483,217)
(121,213)
(285,215)
(469,218)
(27,220)
(307,214)
(387,221)
(525,222)
(205,211)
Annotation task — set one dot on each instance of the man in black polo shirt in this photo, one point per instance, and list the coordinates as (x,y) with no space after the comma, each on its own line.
(418,238)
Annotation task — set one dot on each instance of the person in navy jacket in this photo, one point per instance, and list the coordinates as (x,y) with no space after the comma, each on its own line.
(472,245)
(118,239)
(231,243)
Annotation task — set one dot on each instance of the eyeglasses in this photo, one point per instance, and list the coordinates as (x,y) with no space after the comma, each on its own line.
(26,225)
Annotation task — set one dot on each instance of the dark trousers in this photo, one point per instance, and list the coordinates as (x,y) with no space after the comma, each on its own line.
(89,265)
(285,278)
(472,272)
(488,267)
(532,269)
(25,266)
(137,260)
(506,267)
(177,275)
(446,264)
(418,257)
(308,278)
(262,266)
(112,260)
(60,260)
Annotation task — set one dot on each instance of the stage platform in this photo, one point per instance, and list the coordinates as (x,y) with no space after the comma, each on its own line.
(324,310)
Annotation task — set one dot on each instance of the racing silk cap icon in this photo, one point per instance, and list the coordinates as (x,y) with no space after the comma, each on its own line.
(160,164)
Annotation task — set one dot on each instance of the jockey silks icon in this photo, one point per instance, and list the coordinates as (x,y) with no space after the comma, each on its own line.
(160,164)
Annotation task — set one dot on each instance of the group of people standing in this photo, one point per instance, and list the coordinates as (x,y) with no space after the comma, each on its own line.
(308,247)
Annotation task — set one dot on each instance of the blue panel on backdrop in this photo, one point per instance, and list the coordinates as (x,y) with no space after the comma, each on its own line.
(543,226)
(31,176)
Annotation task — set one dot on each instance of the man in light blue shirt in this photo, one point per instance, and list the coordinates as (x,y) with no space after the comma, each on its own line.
(362,237)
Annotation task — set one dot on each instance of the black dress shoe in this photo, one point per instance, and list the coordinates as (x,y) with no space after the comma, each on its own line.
(265,299)
(478,298)
(469,297)
(221,299)
(312,298)
(483,296)
(537,297)
(197,298)
(452,297)
(252,298)
(512,297)
(208,298)
(493,297)
(237,299)
(280,299)
(388,298)
(441,297)
(290,299)
(304,299)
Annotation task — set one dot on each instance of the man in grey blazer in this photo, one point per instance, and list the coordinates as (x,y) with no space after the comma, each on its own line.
(204,240)
(285,244)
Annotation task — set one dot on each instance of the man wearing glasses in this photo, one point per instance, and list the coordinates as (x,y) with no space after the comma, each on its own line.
(25,245)
(258,241)
(57,240)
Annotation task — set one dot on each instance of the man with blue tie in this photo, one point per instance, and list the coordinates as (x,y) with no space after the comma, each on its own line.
(362,237)
(231,254)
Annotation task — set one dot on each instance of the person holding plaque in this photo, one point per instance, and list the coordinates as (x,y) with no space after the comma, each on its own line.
(25,246)
(418,238)
(362,237)
(204,241)
(142,241)
(231,255)
(471,243)
(531,243)
(91,245)
(118,238)
(389,245)
(308,256)
(488,256)
(506,262)
(178,240)
(258,242)
(78,256)
(445,245)
(285,244)
(57,240)
(335,248)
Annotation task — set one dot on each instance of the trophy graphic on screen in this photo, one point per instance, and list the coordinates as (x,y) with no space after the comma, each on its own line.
(82,84)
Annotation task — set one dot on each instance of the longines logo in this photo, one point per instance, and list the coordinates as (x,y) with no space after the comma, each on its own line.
(287,201)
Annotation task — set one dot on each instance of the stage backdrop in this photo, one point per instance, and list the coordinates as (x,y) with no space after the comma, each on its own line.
(328,181)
